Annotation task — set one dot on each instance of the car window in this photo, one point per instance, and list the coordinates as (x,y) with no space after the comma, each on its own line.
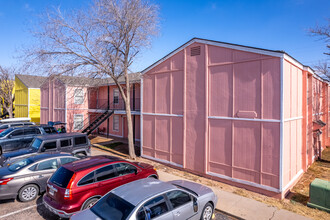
(105,173)
(5,132)
(66,143)
(50,145)
(4,126)
(112,207)
(125,168)
(47,165)
(17,133)
(30,131)
(153,208)
(178,198)
(88,179)
(65,160)
(16,125)
(19,164)
(80,140)
(61,177)
(50,130)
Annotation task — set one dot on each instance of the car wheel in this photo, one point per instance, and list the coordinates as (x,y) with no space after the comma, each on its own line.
(0,150)
(90,203)
(207,212)
(153,176)
(28,193)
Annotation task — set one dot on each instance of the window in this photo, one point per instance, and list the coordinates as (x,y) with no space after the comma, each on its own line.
(31,131)
(50,130)
(62,177)
(78,122)
(50,145)
(153,208)
(80,140)
(125,168)
(78,96)
(4,127)
(115,96)
(88,179)
(105,173)
(178,198)
(17,133)
(115,123)
(16,125)
(65,160)
(66,143)
(47,165)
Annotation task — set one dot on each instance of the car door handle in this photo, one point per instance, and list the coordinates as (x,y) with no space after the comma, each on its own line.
(177,213)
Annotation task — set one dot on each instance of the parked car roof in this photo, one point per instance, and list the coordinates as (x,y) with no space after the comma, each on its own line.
(57,136)
(48,155)
(90,162)
(147,188)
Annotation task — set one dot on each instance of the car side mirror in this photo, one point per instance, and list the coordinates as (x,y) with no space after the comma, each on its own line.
(42,149)
(136,171)
(195,204)
(10,136)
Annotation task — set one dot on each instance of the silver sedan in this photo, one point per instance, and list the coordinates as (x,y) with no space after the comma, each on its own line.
(153,199)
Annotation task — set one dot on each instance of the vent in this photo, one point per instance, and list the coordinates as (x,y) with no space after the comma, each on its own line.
(195,51)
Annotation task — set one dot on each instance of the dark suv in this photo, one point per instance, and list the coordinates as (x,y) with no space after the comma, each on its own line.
(15,138)
(77,144)
(79,184)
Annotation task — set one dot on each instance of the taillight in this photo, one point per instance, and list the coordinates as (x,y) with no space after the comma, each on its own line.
(68,193)
(5,181)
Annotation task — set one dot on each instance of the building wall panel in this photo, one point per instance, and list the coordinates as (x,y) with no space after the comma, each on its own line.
(177,140)
(221,91)
(220,132)
(163,93)
(271,88)
(177,93)
(149,93)
(247,88)
(195,105)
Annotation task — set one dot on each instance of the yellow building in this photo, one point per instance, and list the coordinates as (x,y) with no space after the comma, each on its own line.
(27,96)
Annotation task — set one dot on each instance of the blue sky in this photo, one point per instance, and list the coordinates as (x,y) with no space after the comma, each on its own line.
(278,25)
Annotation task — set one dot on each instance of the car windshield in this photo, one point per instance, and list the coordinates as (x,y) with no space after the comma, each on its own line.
(5,132)
(20,164)
(112,207)
(36,144)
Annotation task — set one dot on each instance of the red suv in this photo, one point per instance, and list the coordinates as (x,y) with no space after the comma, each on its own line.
(78,185)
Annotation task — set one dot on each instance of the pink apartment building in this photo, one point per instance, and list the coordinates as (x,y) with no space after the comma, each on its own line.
(245,116)
(80,101)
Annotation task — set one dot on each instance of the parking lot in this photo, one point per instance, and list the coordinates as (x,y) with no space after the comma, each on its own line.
(12,209)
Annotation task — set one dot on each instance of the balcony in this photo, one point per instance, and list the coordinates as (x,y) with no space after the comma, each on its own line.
(118,104)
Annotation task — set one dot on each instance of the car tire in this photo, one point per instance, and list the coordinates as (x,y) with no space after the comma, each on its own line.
(153,176)
(28,193)
(0,150)
(207,212)
(89,203)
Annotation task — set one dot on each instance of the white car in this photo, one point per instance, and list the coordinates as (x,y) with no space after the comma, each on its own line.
(153,199)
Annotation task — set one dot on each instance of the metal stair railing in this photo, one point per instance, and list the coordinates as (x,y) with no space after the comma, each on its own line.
(96,125)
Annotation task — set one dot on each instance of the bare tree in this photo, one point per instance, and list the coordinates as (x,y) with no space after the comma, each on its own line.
(6,90)
(323,68)
(102,41)
(323,33)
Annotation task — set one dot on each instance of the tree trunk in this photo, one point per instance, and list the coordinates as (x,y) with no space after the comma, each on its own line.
(131,149)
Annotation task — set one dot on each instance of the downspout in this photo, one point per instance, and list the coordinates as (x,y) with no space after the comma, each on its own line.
(108,109)
(134,114)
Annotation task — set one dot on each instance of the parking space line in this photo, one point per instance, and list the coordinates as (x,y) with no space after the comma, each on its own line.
(18,211)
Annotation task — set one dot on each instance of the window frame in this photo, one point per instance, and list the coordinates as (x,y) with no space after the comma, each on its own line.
(115,92)
(75,123)
(115,172)
(65,139)
(168,205)
(77,96)
(46,142)
(113,123)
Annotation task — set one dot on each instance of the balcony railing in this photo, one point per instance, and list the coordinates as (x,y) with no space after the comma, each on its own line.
(118,104)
